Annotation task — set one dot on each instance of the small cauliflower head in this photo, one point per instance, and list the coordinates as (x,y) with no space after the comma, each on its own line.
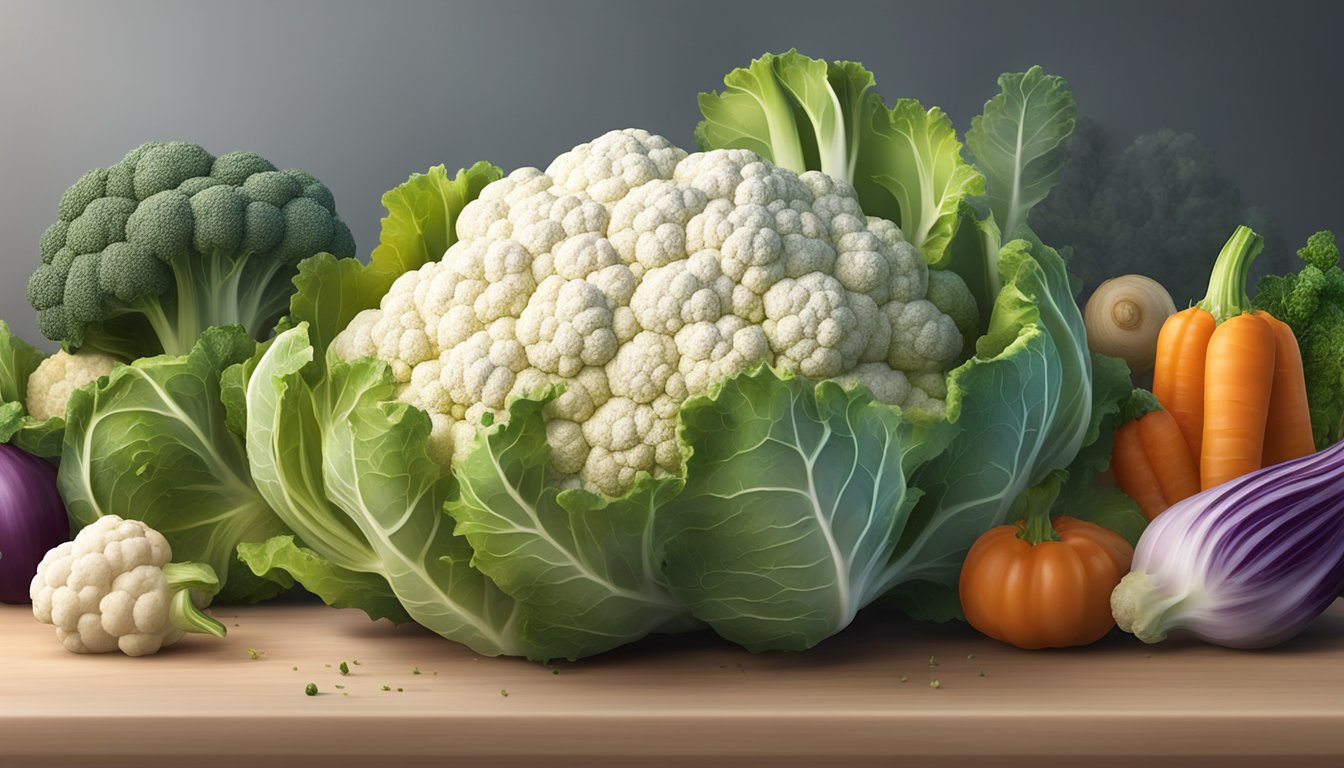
(114,588)
(50,384)
(636,276)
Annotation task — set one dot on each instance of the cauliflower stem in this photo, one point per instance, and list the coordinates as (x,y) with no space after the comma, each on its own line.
(183,579)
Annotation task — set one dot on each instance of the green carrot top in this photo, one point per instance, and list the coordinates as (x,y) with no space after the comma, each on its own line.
(1227,282)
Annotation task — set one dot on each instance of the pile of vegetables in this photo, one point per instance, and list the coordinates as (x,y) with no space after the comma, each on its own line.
(755,387)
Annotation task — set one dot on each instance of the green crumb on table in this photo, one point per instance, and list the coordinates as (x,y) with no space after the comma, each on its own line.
(254,654)
(344,668)
(387,687)
(504,692)
(935,684)
(904,679)
(415,670)
(340,687)
(970,656)
(296,669)
(555,670)
(355,662)
(345,693)
(310,689)
(401,690)
(982,673)
(328,666)
(933,661)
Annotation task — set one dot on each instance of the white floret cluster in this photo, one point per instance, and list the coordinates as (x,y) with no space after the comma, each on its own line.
(637,276)
(106,590)
(57,377)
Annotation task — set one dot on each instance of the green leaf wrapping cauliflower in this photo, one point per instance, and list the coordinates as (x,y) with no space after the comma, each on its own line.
(113,588)
(637,276)
(148,253)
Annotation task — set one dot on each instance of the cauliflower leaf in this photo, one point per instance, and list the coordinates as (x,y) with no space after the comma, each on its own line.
(348,470)
(149,443)
(796,495)
(583,566)
(1023,407)
(18,360)
(807,115)
(279,557)
(1018,142)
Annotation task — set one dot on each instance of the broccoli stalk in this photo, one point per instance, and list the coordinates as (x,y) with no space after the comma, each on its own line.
(1312,303)
(149,253)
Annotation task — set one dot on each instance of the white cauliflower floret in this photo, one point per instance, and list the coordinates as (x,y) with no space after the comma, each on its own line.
(811,326)
(929,339)
(711,352)
(54,379)
(114,588)
(627,438)
(886,384)
(609,167)
(630,276)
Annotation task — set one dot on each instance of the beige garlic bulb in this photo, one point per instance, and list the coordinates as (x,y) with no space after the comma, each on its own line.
(1123,318)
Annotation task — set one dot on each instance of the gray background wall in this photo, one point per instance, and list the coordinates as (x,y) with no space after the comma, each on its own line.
(363,93)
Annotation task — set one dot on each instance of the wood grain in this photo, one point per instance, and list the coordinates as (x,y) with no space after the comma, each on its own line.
(666,701)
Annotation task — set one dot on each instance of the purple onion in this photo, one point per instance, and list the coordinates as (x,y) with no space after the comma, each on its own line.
(1247,564)
(32,520)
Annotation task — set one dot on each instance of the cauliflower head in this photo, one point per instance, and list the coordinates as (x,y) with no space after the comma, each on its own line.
(637,276)
(113,588)
(50,384)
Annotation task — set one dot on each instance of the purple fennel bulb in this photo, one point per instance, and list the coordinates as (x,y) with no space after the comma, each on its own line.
(1246,564)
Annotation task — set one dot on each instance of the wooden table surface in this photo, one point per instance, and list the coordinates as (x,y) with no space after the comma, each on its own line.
(862,698)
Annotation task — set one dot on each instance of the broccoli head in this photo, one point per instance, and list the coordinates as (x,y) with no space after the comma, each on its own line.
(1312,303)
(170,241)
(1160,208)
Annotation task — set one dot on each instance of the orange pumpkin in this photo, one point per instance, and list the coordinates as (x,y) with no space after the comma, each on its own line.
(1041,585)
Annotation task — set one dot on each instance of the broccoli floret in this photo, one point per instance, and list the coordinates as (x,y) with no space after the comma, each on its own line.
(1161,208)
(1321,251)
(149,253)
(1312,303)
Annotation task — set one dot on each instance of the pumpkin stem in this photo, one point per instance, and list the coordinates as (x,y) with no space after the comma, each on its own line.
(1033,507)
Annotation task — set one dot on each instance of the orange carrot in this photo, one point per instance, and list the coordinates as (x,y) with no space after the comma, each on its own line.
(1175,468)
(1133,474)
(1149,458)
(1288,424)
(1238,376)
(1178,371)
